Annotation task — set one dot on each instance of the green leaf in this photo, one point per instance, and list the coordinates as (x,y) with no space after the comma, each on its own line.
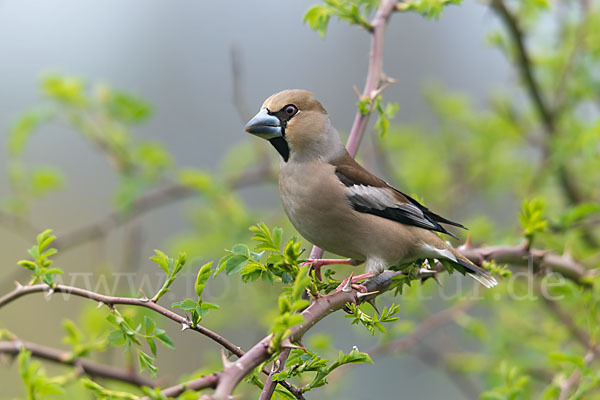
(127,108)
(149,325)
(235,264)
(317,18)
(162,336)
(45,179)
(431,9)
(116,338)
(162,260)
(146,362)
(301,283)
(152,345)
(532,217)
(187,305)
(203,274)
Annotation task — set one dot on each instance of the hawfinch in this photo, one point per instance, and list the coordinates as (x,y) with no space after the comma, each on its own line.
(337,204)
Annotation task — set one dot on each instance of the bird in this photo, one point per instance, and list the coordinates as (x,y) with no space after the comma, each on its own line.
(338,205)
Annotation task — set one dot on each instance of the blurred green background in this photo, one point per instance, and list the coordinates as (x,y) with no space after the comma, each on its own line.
(102,102)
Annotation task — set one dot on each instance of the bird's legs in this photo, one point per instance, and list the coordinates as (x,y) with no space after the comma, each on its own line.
(317,263)
(350,282)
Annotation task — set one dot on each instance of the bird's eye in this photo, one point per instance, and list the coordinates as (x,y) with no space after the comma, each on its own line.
(290,110)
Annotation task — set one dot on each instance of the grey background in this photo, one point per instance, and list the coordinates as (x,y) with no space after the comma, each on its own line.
(176,54)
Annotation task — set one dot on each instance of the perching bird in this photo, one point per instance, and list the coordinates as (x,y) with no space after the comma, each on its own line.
(337,204)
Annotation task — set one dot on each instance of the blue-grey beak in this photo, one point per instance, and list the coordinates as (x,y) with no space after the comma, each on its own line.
(264,125)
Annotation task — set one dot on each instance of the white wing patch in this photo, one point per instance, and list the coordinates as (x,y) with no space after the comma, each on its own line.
(431,252)
(379,198)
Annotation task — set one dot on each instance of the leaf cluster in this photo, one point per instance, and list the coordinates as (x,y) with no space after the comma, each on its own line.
(41,264)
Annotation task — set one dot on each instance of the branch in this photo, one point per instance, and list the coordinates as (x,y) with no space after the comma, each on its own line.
(112,301)
(579,334)
(319,309)
(547,115)
(540,260)
(18,225)
(87,367)
(205,382)
(573,380)
(270,384)
(164,195)
(371,89)
(525,67)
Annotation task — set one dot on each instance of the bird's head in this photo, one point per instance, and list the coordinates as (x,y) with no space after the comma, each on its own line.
(297,125)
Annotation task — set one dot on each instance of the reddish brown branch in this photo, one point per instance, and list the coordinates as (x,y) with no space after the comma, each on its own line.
(270,384)
(539,260)
(319,309)
(547,115)
(205,382)
(371,89)
(112,300)
(87,367)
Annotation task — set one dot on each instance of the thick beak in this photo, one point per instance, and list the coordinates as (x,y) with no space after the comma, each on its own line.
(264,125)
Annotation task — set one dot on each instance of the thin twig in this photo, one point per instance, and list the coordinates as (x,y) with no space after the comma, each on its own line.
(87,367)
(539,260)
(164,195)
(205,382)
(576,332)
(574,379)
(374,75)
(270,384)
(112,301)
(319,309)
(567,182)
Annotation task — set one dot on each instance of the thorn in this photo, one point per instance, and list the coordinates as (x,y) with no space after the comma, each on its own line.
(224,360)
(389,79)
(437,279)
(186,324)
(365,294)
(48,292)
(377,92)
(100,304)
(287,343)
(357,92)
(348,284)
(467,244)
(18,284)
(144,298)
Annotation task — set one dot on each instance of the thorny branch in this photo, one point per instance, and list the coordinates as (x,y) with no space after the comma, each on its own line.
(111,301)
(82,365)
(319,309)
(231,375)
(372,88)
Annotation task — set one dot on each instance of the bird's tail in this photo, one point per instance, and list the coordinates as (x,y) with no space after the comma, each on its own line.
(465,266)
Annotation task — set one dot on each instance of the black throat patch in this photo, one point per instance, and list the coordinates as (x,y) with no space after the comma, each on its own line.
(281,146)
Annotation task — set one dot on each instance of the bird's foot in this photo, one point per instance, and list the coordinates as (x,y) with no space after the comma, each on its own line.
(350,283)
(316,264)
